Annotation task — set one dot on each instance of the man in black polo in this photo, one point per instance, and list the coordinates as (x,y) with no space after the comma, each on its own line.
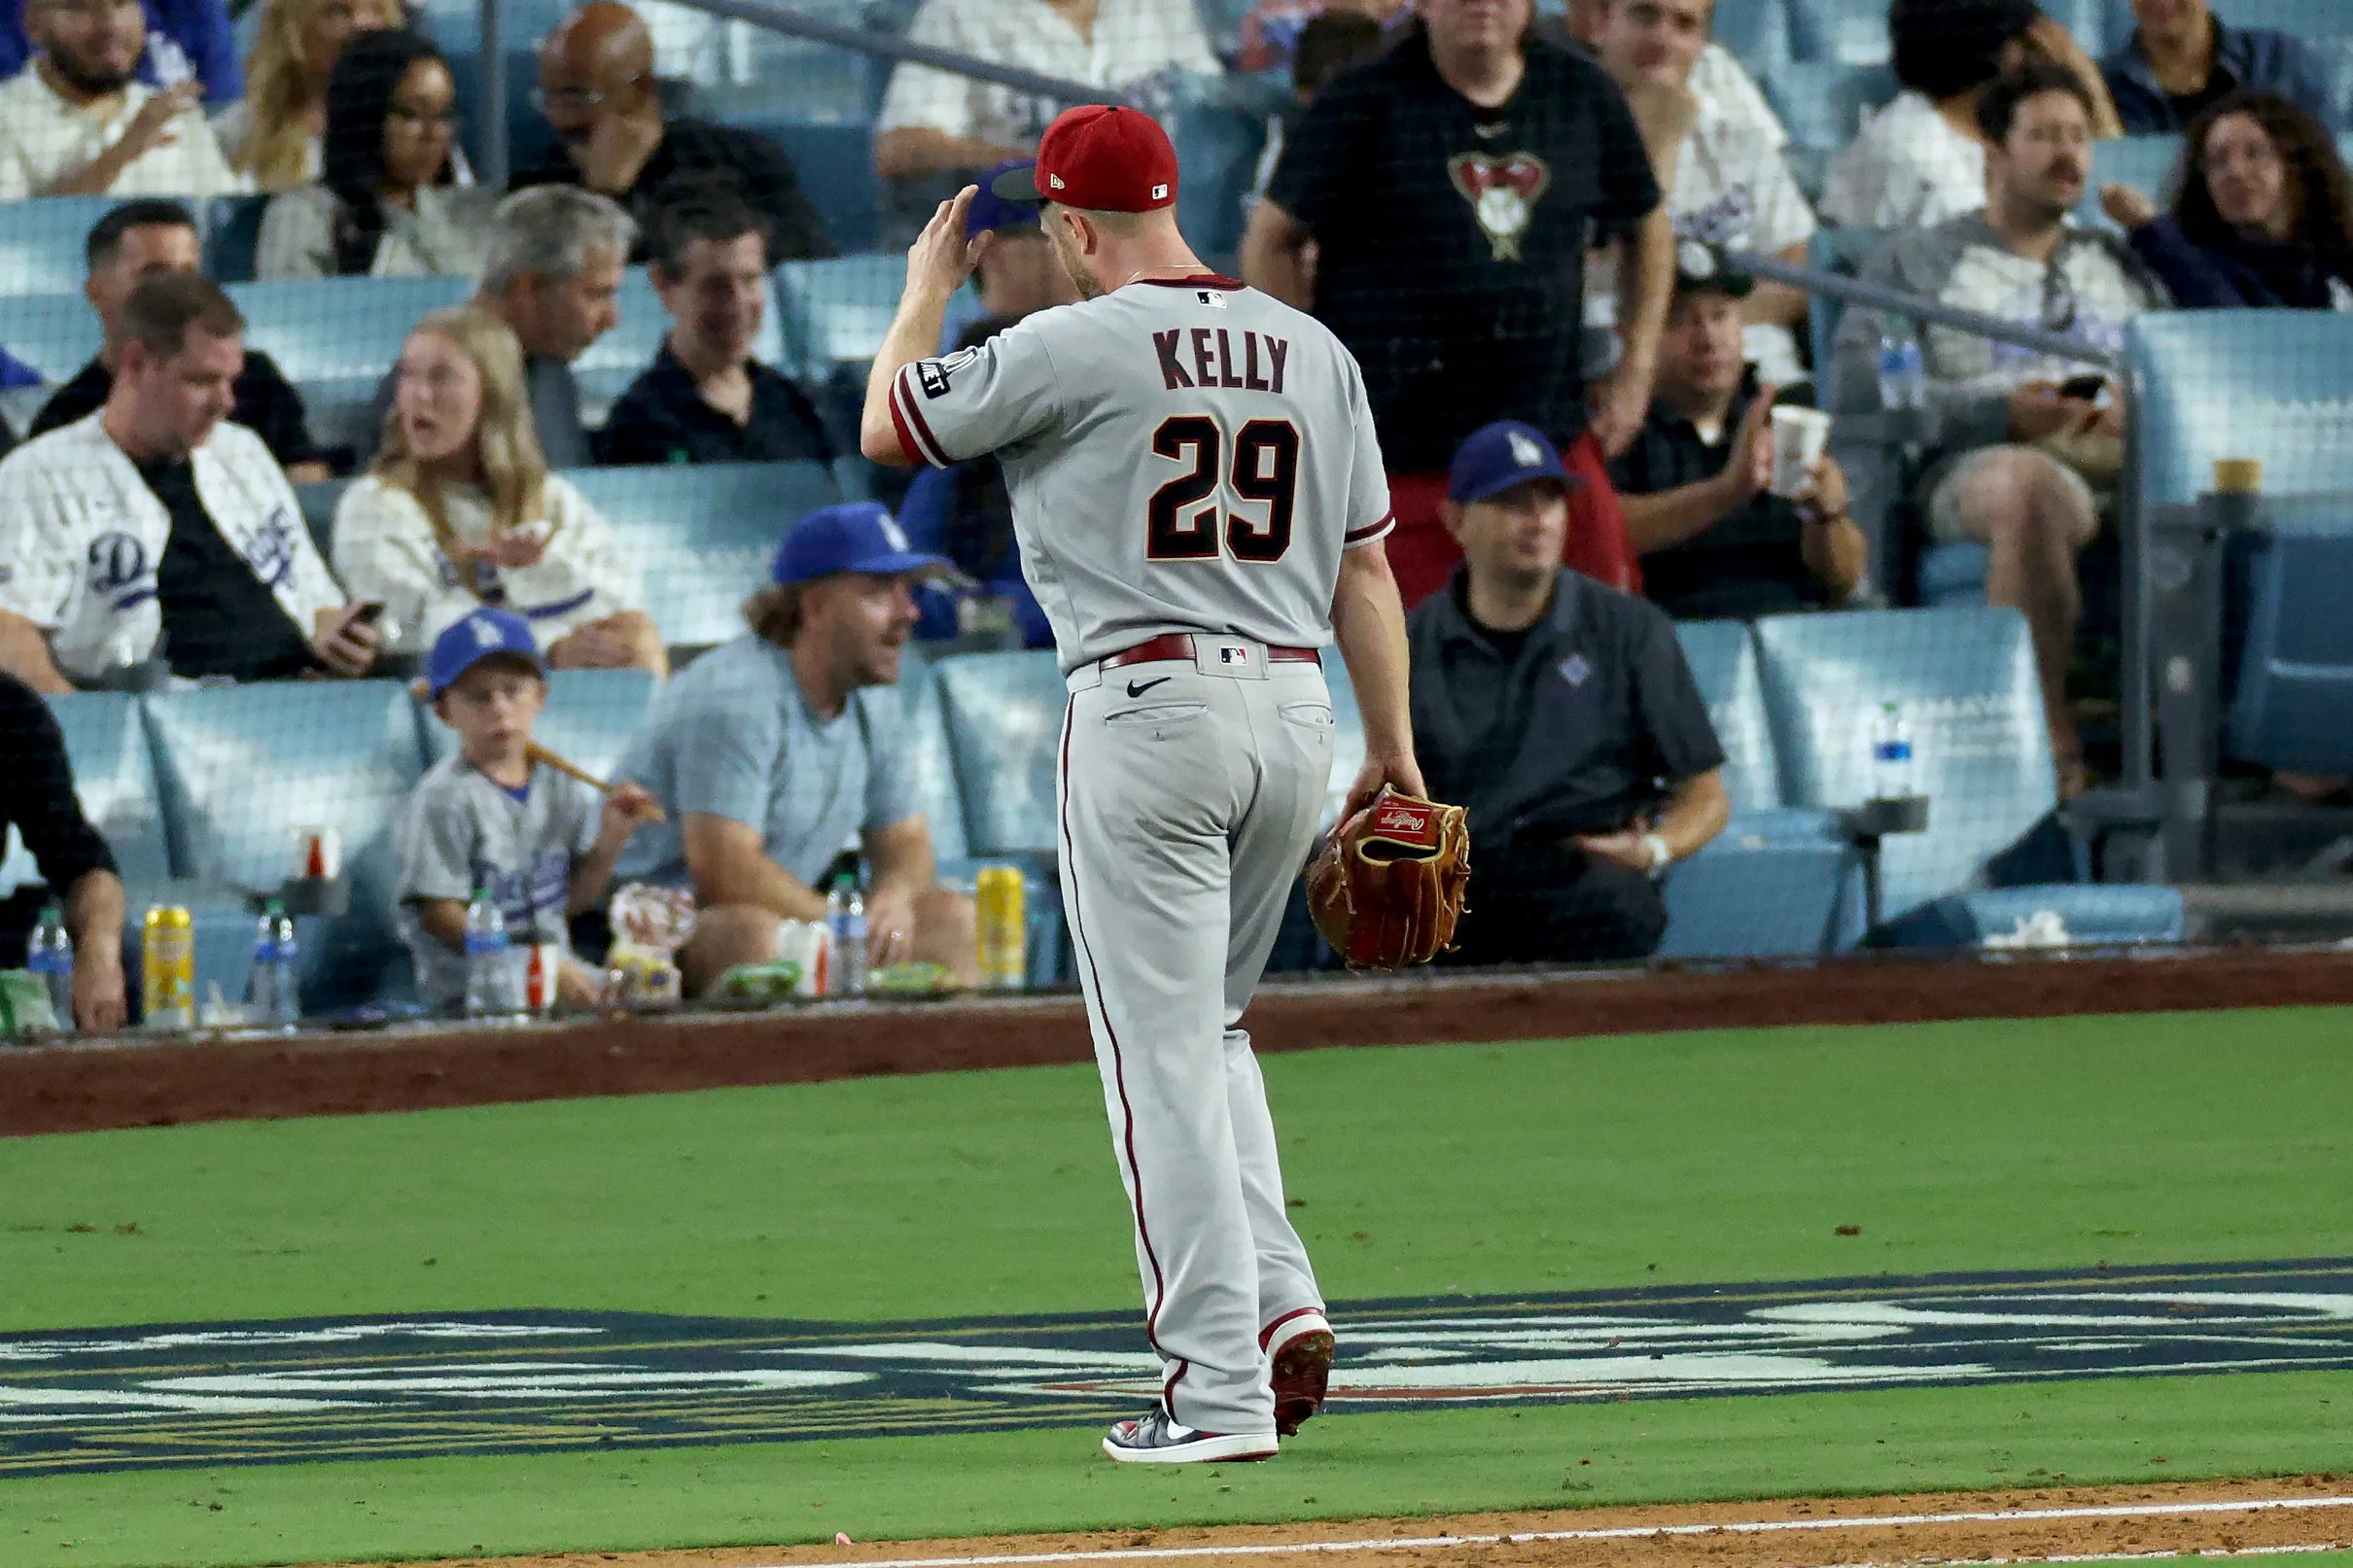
(1695,486)
(705,399)
(1563,713)
(1434,208)
(154,235)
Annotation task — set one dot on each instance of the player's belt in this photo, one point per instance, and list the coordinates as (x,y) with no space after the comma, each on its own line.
(1180,646)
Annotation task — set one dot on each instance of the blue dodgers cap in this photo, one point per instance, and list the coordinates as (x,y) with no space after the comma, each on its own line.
(993,214)
(482,634)
(1494,457)
(855,536)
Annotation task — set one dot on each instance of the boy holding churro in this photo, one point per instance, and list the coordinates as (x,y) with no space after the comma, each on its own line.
(493,816)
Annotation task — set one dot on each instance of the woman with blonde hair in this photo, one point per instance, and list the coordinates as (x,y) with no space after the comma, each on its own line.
(459,511)
(273,133)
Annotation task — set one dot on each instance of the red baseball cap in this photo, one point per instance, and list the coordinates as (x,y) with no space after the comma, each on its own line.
(1104,158)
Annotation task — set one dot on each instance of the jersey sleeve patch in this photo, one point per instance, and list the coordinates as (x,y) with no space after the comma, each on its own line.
(906,414)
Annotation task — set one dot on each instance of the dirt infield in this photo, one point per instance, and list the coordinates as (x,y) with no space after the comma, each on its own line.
(143,1082)
(2075,1524)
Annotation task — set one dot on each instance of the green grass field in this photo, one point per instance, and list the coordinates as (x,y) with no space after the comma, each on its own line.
(1538,1166)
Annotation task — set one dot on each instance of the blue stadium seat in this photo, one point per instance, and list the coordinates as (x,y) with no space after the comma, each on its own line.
(1821,102)
(1844,250)
(836,162)
(620,357)
(233,237)
(41,240)
(240,768)
(115,779)
(706,534)
(590,718)
(340,328)
(2123,915)
(318,500)
(1005,728)
(835,311)
(1776,880)
(934,760)
(1965,681)
(56,333)
(2276,386)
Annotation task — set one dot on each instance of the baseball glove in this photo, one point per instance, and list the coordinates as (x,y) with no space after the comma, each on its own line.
(1388,886)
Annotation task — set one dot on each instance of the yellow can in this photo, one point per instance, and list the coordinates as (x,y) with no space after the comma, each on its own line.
(1002,930)
(167,968)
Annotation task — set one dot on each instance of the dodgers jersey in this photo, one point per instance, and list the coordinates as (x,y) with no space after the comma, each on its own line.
(1182,456)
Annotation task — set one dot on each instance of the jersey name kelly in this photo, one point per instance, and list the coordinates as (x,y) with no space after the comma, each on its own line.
(1214,362)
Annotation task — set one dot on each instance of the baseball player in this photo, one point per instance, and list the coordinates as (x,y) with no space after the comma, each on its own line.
(1195,485)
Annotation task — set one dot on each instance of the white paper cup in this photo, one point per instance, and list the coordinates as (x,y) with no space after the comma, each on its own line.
(1799,435)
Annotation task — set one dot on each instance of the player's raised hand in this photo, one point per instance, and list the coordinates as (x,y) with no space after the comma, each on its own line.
(942,257)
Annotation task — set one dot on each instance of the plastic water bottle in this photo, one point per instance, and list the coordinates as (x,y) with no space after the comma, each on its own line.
(276,993)
(1903,373)
(50,954)
(490,990)
(1891,771)
(846,918)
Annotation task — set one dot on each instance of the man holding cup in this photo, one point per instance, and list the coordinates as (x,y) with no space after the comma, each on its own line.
(1730,500)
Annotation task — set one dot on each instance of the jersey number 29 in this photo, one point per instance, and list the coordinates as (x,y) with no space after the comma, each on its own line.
(1184,521)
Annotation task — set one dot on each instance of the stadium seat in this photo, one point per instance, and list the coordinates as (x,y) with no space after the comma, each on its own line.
(340,328)
(240,769)
(233,236)
(835,311)
(1776,880)
(934,759)
(56,333)
(115,779)
(590,718)
(1005,727)
(40,244)
(620,357)
(318,500)
(2276,386)
(1822,102)
(1843,251)
(2149,164)
(706,535)
(836,162)
(2117,916)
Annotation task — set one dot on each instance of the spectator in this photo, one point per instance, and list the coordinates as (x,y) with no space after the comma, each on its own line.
(705,399)
(186,39)
(135,241)
(1275,33)
(1333,42)
(2181,62)
(1727,183)
(1715,540)
(2021,465)
(272,134)
(2264,218)
(78,123)
(489,818)
(1718,81)
(1493,154)
(553,271)
(768,753)
(1921,159)
(37,799)
(936,130)
(389,206)
(155,530)
(598,92)
(459,511)
(1017,272)
(1561,712)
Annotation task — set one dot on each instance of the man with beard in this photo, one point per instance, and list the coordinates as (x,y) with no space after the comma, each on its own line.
(78,123)
(770,752)
(2025,465)
(598,92)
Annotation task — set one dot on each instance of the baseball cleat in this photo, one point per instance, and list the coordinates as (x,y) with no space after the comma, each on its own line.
(1155,1438)
(1299,1364)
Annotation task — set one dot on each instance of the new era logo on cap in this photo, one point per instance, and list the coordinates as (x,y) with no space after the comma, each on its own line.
(1054,182)
(1525,452)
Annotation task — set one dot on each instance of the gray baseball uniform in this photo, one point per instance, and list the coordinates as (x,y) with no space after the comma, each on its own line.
(458,830)
(1183,458)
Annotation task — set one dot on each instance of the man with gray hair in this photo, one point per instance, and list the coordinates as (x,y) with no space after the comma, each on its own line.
(553,273)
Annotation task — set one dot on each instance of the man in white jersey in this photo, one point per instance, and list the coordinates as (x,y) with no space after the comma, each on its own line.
(1194,481)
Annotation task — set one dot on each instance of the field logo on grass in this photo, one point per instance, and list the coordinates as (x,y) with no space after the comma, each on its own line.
(523,1383)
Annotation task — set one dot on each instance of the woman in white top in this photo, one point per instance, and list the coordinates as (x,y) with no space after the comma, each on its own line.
(388,205)
(271,134)
(459,511)
(1921,159)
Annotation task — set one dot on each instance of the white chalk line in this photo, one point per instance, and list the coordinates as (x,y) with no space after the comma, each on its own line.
(1635,1532)
(2100,1556)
